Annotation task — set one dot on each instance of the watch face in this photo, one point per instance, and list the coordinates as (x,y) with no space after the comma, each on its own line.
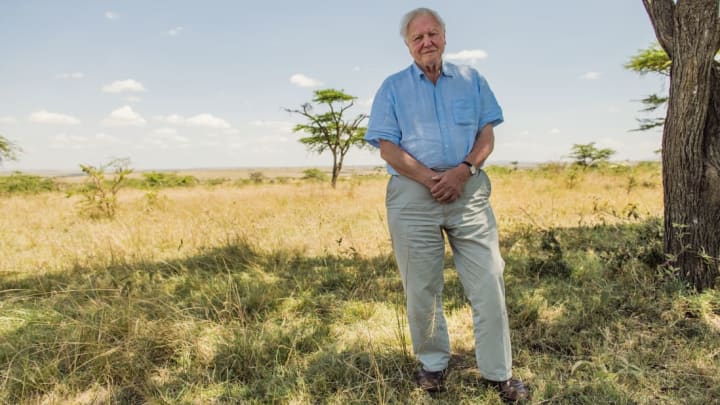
(470,166)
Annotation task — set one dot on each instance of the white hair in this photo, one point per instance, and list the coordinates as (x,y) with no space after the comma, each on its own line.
(407,19)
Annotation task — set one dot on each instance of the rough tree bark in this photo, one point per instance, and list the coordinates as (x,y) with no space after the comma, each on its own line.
(689,31)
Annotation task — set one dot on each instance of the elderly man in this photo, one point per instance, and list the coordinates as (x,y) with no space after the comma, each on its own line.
(433,123)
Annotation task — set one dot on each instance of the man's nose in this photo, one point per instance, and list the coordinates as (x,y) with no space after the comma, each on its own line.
(426,41)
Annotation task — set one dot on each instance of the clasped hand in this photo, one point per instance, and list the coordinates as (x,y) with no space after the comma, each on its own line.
(449,184)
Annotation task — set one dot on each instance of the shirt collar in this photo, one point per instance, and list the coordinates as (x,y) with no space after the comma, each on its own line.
(448,69)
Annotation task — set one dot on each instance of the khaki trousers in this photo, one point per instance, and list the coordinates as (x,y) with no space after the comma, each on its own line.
(417,223)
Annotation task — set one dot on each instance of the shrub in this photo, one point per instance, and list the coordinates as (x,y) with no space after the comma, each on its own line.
(257,177)
(572,176)
(314,175)
(216,181)
(18,182)
(100,195)
(161,180)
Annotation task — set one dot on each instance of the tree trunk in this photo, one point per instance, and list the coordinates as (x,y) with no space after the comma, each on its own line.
(335,170)
(690,35)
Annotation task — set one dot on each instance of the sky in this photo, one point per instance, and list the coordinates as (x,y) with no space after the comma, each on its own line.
(187,84)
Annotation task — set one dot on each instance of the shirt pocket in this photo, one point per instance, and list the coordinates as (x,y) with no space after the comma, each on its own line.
(463,112)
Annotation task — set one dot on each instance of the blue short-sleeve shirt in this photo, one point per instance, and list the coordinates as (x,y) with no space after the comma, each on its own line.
(435,123)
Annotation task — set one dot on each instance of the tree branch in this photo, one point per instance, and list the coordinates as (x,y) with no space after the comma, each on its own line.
(662,16)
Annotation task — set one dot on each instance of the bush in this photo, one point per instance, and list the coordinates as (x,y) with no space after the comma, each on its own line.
(100,195)
(216,181)
(257,177)
(161,180)
(21,183)
(314,175)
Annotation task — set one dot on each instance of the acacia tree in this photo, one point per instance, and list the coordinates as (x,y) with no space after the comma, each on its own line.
(8,151)
(587,155)
(652,60)
(689,32)
(329,131)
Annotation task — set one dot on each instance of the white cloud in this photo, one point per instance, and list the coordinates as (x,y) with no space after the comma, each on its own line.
(171,138)
(124,116)
(554,131)
(45,117)
(74,75)
(120,86)
(467,55)
(111,15)
(65,141)
(102,137)
(301,80)
(172,119)
(283,126)
(165,131)
(165,138)
(209,143)
(8,120)
(175,31)
(154,142)
(356,69)
(590,76)
(133,99)
(200,120)
(208,121)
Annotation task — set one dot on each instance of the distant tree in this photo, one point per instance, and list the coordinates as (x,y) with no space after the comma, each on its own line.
(689,33)
(587,155)
(329,130)
(8,150)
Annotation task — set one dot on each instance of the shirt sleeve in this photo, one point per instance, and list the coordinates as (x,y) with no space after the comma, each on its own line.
(490,111)
(383,123)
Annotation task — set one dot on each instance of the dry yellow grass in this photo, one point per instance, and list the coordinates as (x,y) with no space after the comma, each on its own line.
(46,233)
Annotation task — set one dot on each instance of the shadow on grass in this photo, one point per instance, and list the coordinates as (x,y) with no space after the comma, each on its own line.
(592,318)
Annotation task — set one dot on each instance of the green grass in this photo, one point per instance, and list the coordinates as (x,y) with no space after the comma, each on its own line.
(593,319)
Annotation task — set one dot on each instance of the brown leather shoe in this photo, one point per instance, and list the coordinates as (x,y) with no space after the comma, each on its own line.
(430,381)
(512,390)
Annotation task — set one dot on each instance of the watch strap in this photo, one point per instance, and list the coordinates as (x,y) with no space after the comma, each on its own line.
(471,166)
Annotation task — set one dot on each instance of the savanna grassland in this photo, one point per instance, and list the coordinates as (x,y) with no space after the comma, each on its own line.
(283,290)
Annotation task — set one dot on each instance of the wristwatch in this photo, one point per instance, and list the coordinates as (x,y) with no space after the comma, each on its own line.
(470,166)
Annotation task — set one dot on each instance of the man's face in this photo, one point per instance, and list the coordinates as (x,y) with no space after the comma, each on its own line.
(425,40)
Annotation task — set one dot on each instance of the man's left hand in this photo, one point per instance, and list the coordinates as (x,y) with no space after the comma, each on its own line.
(450,184)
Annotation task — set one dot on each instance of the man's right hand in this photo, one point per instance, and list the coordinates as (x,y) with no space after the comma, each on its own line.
(449,184)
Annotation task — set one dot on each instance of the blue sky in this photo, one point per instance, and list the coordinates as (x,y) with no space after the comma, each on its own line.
(189,84)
